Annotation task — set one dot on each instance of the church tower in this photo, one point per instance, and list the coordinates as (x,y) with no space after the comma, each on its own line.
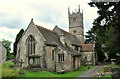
(76,24)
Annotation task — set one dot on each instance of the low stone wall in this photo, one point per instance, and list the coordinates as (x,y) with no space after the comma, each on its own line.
(108,70)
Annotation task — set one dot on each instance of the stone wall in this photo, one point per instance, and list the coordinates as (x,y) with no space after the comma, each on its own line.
(88,58)
(50,62)
(2,53)
(39,45)
(44,52)
(66,64)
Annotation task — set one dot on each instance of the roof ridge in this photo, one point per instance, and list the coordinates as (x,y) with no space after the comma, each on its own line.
(45,28)
(66,31)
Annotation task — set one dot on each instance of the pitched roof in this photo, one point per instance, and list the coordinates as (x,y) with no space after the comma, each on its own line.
(49,35)
(52,37)
(73,52)
(87,47)
(72,38)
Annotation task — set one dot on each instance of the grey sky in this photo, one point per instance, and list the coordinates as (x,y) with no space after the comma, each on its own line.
(16,14)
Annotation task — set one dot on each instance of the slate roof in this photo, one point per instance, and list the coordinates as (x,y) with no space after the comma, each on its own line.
(87,47)
(49,35)
(53,38)
(72,38)
(73,52)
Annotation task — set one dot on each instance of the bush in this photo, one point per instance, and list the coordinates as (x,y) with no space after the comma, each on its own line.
(11,57)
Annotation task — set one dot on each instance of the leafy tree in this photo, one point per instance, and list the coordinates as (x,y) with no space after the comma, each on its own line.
(7,45)
(105,32)
(17,40)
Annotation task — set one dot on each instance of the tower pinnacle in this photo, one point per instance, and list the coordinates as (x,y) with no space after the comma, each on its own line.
(78,8)
(68,10)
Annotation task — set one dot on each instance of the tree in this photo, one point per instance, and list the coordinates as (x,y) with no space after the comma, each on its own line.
(7,45)
(105,31)
(17,40)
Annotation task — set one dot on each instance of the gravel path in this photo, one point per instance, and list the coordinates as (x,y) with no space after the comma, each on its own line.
(89,74)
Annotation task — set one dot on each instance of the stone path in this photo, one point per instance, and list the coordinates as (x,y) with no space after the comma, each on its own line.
(89,74)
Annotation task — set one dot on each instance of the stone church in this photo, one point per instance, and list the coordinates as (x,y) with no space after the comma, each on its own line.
(53,50)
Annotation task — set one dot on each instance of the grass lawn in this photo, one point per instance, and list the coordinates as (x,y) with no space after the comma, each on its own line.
(0,71)
(51,74)
(11,72)
(86,67)
(114,66)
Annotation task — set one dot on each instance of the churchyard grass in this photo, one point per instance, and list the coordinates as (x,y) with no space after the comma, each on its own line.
(0,70)
(86,67)
(9,72)
(51,74)
(114,66)
(12,72)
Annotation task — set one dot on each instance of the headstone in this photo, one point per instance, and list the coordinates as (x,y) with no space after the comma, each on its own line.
(113,61)
(21,70)
(116,73)
(108,70)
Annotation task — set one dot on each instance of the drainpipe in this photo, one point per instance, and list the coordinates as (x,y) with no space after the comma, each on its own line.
(44,49)
(55,56)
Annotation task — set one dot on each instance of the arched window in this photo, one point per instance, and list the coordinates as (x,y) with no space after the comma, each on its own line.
(30,45)
(74,19)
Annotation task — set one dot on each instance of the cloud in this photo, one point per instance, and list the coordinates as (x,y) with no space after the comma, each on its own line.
(16,14)
(8,33)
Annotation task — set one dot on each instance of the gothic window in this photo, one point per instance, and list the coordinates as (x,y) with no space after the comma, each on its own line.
(60,57)
(31,45)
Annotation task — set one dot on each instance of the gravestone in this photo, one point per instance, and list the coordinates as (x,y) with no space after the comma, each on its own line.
(113,61)
(21,70)
(108,70)
(116,73)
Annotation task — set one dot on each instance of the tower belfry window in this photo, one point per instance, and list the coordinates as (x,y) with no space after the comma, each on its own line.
(74,19)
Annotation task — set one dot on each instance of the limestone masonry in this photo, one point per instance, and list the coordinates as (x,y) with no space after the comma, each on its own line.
(55,50)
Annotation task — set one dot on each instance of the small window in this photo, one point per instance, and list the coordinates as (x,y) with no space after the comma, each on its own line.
(85,57)
(53,54)
(60,57)
(74,19)
(74,31)
(76,48)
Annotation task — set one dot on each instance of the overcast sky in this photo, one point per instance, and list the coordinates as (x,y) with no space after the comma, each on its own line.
(16,14)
